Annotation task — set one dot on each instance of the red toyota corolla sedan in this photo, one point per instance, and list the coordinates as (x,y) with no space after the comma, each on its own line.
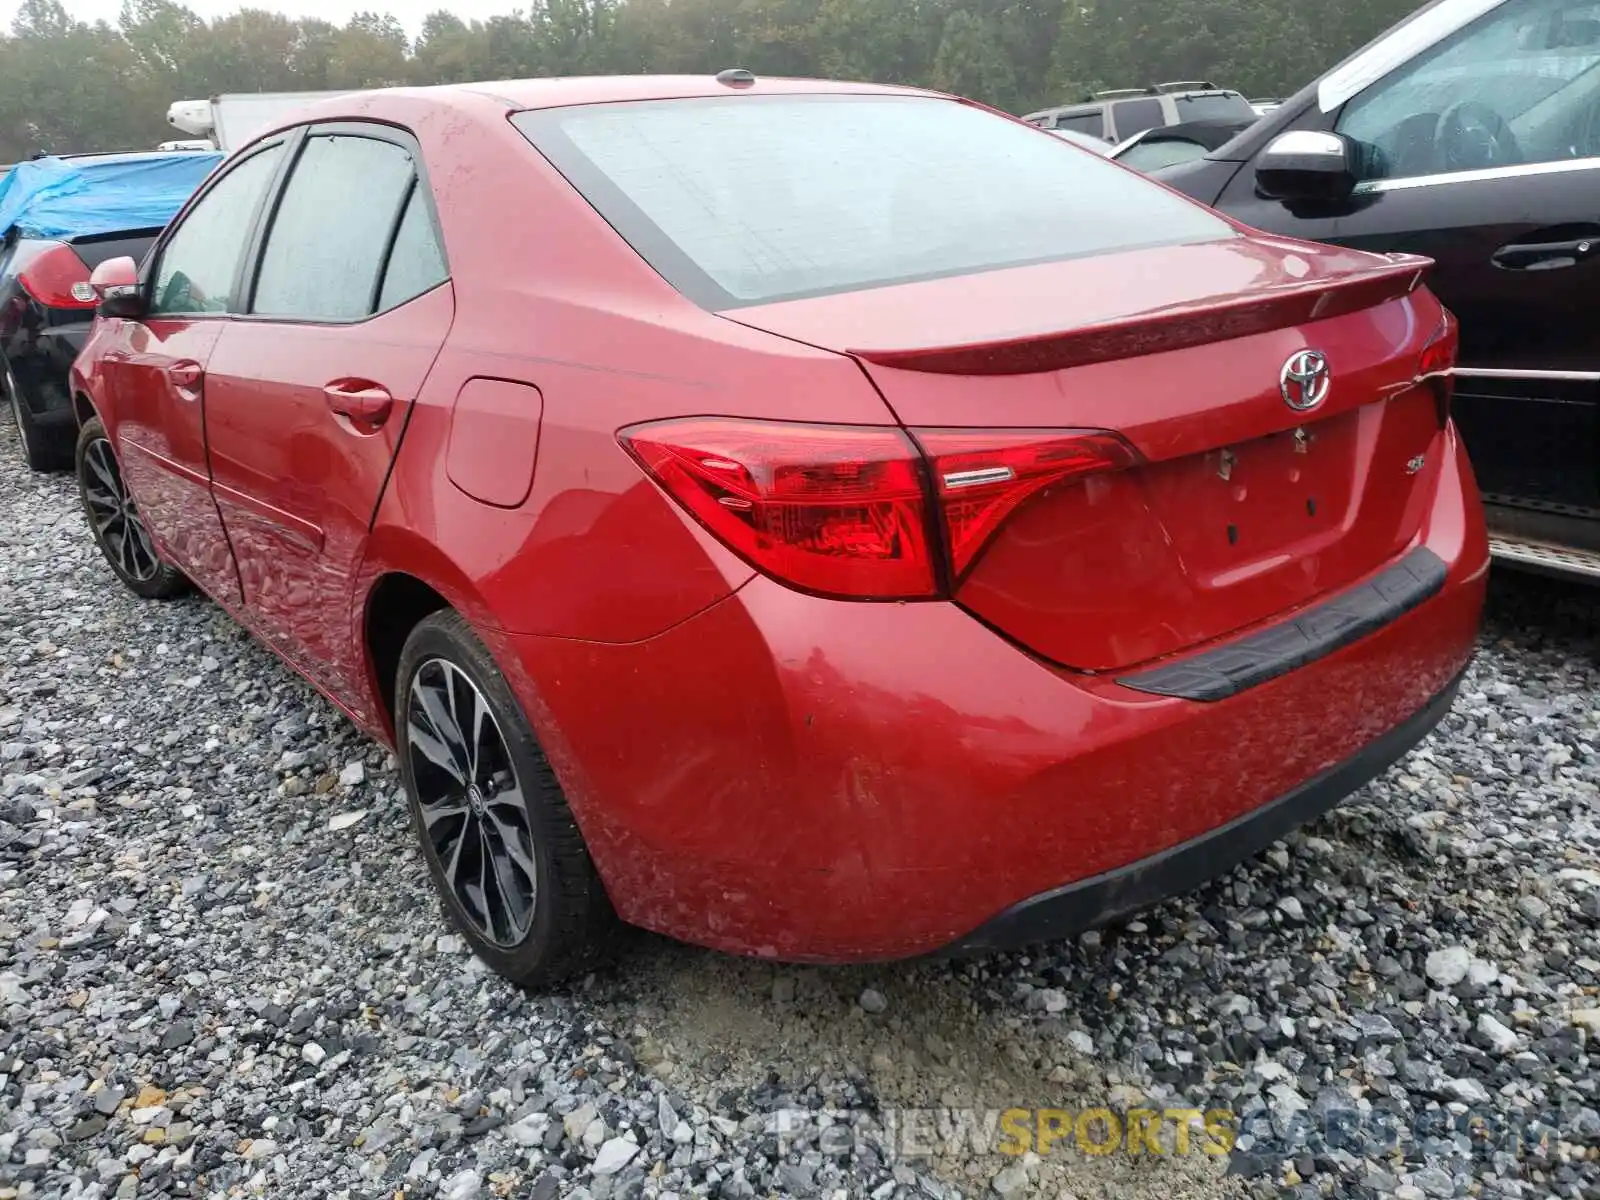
(819,521)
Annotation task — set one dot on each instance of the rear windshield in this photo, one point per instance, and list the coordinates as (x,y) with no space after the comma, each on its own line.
(1229,106)
(753,199)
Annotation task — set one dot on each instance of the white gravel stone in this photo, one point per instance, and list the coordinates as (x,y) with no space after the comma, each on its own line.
(1448,966)
(613,1156)
(579,1119)
(1497,1035)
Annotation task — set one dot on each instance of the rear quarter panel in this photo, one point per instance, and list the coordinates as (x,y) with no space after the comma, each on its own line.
(548,295)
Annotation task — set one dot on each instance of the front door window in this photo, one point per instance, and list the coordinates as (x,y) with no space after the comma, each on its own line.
(1518,87)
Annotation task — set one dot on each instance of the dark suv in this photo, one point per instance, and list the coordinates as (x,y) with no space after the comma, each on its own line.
(1469,133)
(1118,115)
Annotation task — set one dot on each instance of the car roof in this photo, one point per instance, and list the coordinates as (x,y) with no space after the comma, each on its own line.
(1101,103)
(610,89)
(1065,110)
(559,92)
(398,104)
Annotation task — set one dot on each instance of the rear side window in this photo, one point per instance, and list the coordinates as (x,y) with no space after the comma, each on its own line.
(416,263)
(752,199)
(1229,106)
(332,230)
(200,261)
(1135,116)
(1091,122)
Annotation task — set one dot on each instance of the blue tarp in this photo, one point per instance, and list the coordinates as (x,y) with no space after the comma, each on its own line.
(66,197)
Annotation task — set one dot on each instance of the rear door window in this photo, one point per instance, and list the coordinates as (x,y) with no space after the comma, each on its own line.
(1135,116)
(751,199)
(330,236)
(416,262)
(200,261)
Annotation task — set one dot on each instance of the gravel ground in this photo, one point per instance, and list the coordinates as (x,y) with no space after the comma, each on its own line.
(222,972)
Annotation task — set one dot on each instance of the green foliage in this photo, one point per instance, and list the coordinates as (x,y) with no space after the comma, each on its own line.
(68,85)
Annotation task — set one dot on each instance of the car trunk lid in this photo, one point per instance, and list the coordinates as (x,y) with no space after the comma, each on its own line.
(1241,508)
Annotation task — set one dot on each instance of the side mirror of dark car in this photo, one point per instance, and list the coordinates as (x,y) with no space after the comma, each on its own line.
(116,283)
(1307,164)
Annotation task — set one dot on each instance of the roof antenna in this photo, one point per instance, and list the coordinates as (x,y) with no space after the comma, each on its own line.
(735,77)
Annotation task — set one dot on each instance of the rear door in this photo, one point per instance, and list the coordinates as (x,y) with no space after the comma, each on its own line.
(155,368)
(1488,161)
(307,394)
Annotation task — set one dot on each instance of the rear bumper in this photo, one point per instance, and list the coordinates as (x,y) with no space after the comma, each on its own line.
(1090,902)
(816,780)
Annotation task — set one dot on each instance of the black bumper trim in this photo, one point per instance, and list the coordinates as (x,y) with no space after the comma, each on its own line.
(1315,633)
(1091,902)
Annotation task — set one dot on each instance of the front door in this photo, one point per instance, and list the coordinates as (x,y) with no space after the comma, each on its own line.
(154,371)
(307,394)
(1488,161)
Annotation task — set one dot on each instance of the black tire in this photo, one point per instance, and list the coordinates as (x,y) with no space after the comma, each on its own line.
(115,522)
(39,450)
(567,925)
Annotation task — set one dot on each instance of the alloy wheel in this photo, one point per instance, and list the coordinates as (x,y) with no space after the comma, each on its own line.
(474,814)
(115,515)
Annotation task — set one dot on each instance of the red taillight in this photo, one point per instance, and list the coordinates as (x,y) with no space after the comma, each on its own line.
(843,510)
(982,477)
(1438,363)
(833,509)
(58,278)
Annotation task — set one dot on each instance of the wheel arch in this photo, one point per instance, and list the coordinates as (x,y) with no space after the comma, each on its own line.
(83,408)
(404,580)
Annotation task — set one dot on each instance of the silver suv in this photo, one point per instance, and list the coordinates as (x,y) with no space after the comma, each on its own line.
(1118,115)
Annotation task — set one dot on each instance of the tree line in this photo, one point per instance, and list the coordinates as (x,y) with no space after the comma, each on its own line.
(69,85)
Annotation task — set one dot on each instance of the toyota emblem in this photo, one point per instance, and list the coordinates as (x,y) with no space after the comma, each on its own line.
(1304,380)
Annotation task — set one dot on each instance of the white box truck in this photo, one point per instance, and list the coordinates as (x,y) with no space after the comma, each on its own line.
(232,120)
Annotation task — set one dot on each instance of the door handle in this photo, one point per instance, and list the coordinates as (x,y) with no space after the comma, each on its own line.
(1545,256)
(186,375)
(360,401)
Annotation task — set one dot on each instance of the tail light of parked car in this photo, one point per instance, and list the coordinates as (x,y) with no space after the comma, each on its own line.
(58,278)
(1438,364)
(858,512)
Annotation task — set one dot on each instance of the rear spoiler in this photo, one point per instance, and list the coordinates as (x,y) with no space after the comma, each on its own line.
(1175,328)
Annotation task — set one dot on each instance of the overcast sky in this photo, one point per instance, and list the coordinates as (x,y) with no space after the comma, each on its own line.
(410,12)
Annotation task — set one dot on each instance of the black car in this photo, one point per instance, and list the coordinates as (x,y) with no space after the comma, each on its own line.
(1469,133)
(59,219)
(46,309)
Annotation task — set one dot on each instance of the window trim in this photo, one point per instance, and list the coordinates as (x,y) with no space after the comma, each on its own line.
(152,263)
(379,131)
(1401,183)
